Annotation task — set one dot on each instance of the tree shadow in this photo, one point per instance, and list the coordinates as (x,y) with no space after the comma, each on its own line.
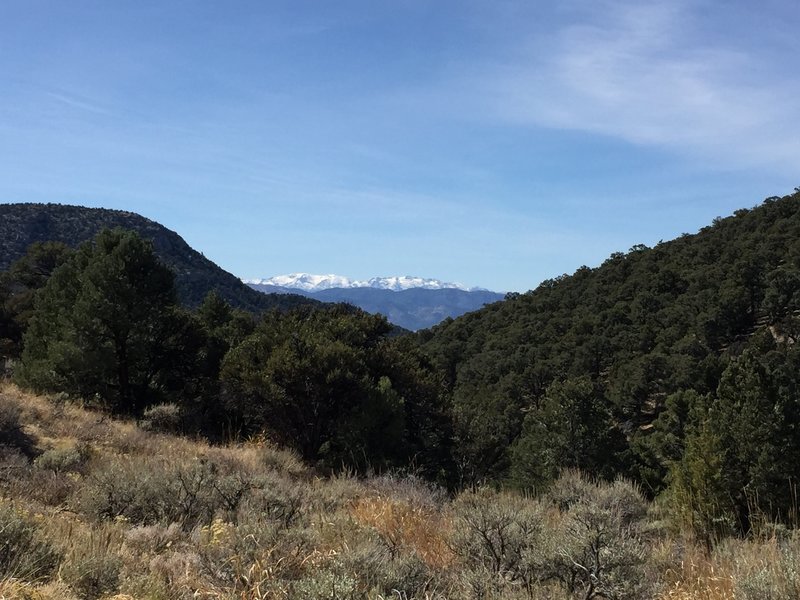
(12,433)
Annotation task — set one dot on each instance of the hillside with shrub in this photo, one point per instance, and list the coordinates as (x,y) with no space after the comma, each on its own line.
(94,507)
(105,327)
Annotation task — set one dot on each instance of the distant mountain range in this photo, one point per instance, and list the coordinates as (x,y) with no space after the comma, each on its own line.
(316,283)
(410,302)
(23,224)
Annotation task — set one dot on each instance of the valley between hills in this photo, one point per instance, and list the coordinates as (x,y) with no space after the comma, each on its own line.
(625,431)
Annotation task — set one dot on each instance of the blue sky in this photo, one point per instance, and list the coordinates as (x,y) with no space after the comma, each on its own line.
(495,143)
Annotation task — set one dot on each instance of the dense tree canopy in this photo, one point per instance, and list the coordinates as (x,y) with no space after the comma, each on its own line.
(18,287)
(195,275)
(330,384)
(742,454)
(651,332)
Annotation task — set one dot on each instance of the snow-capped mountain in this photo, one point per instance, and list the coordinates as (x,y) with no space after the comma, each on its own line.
(316,283)
(411,302)
(305,281)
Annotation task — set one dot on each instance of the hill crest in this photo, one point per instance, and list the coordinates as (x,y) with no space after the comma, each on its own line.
(195,275)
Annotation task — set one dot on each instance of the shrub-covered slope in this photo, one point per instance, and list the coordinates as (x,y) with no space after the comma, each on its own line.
(94,507)
(23,224)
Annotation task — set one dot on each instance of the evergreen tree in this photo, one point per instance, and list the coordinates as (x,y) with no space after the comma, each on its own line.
(699,483)
(742,455)
(306,379)
(330,384)
(106,325)
(18,287)
(571,428)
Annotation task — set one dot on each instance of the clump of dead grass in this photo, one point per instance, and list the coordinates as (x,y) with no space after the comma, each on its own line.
(406,527)
(698,577)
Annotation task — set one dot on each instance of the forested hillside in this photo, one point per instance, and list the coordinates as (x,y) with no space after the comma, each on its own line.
(102,324)
(24,224)
(640,365)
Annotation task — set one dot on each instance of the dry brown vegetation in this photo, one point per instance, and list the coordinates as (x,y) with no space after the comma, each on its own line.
(94,507)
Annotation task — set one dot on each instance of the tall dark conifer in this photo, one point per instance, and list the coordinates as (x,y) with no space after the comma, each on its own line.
(102,323)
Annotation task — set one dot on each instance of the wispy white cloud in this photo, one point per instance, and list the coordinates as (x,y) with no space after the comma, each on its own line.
(645,73)
(78,103)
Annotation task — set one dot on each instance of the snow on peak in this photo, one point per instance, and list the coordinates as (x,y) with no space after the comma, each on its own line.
(306,281)
(316,283)
(406,282)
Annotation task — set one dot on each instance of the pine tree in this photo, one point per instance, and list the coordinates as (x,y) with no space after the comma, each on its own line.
(103,324)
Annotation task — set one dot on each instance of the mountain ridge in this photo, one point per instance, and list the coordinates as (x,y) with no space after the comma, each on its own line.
(314,283)
(414,308)
(642,332)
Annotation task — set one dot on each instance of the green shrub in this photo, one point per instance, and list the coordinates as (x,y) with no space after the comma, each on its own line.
(601,550)
(325,584)
(584,538)
(477,583)
(11,432)
(14,467)
(284,461)
(405,575)
(47,487)
(92,564)
(164,418)
(369,558)
(764,569)
(9,419)
(409,488)
(334,493)
(277,499)
(153,539)
(92,576)
(172,575)
(148,586)
(24,553)
(63,460)
(257,554)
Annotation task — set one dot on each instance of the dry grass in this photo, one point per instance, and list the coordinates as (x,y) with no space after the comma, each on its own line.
(698,577)
(404,526)
(19,590)
(294,533)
